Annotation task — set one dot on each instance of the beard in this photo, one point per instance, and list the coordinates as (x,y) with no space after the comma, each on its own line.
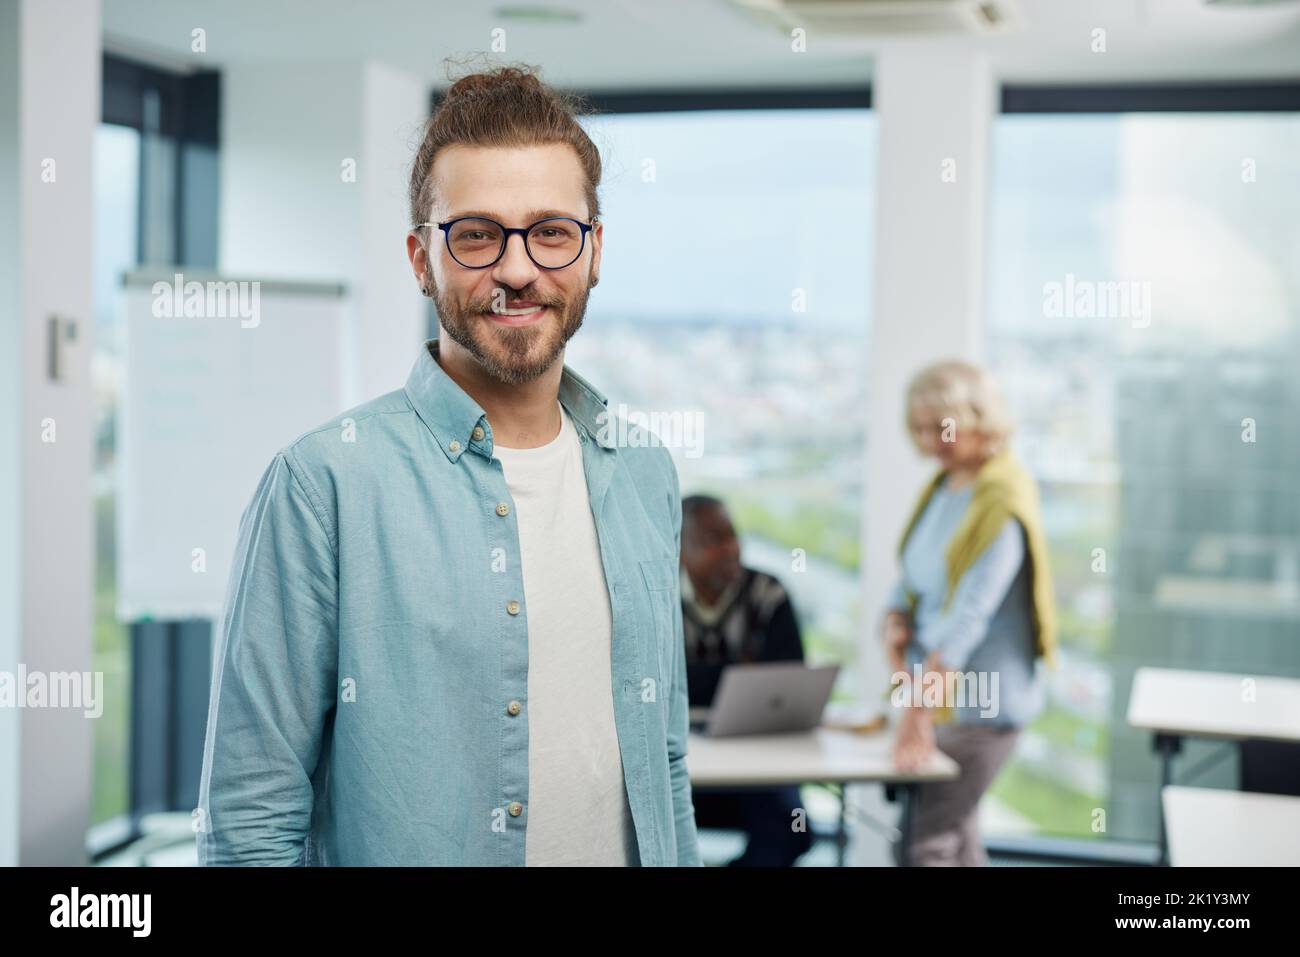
(513,354)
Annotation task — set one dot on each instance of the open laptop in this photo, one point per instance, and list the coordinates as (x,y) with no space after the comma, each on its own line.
(766,698)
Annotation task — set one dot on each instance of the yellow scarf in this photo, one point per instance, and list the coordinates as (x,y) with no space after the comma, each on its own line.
(1003,489)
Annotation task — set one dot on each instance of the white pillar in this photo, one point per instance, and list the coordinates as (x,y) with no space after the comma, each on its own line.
(290,208)
(934,111)
(49,110)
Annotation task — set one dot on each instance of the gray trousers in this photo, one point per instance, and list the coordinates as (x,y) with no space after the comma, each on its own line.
(945,815)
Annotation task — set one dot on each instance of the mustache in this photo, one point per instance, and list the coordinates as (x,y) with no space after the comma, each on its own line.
(485,304)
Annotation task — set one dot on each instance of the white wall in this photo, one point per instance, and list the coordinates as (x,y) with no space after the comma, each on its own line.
(287,212)
(50,58)
(929,294)
(11,430)
(392,313)
(285,129)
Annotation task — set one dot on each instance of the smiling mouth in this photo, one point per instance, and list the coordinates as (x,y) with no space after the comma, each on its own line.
(518,316)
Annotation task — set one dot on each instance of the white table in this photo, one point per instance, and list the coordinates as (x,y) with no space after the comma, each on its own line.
(1209,704)
(1212,828)
(822,756)
(1176,704)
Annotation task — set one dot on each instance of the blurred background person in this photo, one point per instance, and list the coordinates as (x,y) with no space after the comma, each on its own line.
(974,596)
(732,614)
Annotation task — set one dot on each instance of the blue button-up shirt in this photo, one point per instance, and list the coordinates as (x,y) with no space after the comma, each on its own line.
(370,696)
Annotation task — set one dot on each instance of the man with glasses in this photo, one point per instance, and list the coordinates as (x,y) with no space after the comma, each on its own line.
(454,633)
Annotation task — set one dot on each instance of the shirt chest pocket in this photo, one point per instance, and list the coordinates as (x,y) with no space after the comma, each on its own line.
(659,576)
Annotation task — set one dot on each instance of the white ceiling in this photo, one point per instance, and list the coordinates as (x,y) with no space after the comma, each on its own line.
(693,44)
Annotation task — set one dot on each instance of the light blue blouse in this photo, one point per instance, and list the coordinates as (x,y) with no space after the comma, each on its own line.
(987,630)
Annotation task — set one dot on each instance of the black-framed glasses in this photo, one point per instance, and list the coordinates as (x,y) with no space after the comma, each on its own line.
(477,243)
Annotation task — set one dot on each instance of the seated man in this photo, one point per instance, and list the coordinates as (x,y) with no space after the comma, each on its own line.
(731,615)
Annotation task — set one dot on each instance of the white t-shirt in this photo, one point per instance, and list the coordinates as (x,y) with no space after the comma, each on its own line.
(578,812)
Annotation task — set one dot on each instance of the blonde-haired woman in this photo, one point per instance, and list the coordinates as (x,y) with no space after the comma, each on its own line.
(974,600)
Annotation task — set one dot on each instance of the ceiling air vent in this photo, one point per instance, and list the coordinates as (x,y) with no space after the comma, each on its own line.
(889,18)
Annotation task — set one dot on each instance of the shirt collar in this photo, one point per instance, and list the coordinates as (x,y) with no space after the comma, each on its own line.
(452,416)
(710,614)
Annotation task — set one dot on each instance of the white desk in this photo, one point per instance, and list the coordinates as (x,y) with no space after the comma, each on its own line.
(823,756)
(1212,828)
(1206,704)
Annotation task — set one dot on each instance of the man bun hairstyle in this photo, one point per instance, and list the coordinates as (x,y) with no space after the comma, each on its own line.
(505,107)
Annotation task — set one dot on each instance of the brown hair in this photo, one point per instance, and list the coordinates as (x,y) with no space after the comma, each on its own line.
(508,106)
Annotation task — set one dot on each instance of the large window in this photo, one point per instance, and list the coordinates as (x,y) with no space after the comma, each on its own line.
(734,290)
(1144,317)
(155,203)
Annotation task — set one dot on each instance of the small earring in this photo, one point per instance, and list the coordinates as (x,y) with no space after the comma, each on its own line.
(594,280)
(424,290)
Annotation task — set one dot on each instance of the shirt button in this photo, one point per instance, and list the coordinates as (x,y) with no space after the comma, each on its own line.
(516,809)
(512,606)
(454,445)
(514,707)
(478,433)
(503,508)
